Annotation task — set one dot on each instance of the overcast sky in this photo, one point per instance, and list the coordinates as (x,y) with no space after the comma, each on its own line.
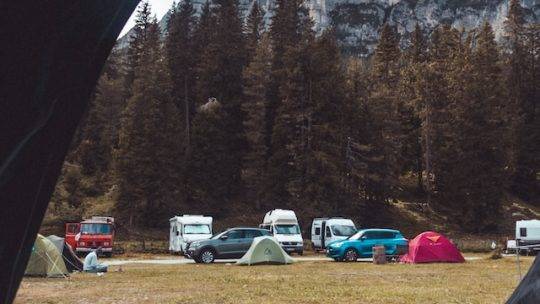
(159,8)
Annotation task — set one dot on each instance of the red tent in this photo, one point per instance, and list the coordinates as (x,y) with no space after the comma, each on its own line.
(429,247)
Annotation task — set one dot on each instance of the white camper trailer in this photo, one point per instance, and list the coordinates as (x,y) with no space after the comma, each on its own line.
(528,235)
(283,224)
(188,228)
(326,230)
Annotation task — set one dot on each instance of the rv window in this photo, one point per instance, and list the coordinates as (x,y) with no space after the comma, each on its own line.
(523,232)
(328,233)
(317,231)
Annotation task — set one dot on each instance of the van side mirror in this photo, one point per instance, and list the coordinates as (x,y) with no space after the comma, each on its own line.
(223,237)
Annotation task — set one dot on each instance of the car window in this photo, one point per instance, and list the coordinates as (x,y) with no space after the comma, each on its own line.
(235,234)
(249,234)
(523,232)
(370,235)
(328,233)
(318,231)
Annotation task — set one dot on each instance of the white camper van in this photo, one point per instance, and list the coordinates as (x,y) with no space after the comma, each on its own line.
(528,234)
(283,224)
(188,228)
(326,230)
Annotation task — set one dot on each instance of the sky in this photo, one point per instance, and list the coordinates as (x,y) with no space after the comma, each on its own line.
(159,8)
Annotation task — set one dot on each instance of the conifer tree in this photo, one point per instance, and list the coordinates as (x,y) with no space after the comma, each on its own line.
(143,22)
(254,29)
(256,77)
(385,106)
(287,164)
(180,58)
(220,77)
(414,59)
(209,165)
(146,159)
(522,78)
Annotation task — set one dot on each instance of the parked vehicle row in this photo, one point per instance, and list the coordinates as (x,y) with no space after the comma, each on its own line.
(191,235)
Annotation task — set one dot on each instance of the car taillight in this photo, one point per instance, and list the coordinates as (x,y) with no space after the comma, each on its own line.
(106,244)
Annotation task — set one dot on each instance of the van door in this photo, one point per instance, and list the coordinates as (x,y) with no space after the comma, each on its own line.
(327,235)
(323,234)
(71,231)
(316,236)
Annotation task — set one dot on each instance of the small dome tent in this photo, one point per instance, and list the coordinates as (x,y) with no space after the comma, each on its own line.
(45,260)
(265,250)
(432,247)
(73,263)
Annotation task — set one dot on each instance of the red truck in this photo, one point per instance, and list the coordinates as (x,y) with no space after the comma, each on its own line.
(90,234)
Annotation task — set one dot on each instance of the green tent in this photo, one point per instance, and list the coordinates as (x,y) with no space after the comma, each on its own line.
(45,260)
(265,250)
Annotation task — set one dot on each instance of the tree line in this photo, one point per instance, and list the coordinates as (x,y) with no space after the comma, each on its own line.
(230,114)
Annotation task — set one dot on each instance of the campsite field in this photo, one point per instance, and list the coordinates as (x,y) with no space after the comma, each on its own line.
(477,281)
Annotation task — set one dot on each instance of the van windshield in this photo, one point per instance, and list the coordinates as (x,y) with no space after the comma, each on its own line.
(93,228)
(287,229)
(343,230)
(196,229)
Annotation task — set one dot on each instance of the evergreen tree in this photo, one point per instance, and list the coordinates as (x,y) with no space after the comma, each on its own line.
(385,107)
(414,59)
(287,163)
(180,58)
(477,178)
(143,22)
(522,78)
(254,29)
(209,165)
(256,79)
(146,159)
(220,77)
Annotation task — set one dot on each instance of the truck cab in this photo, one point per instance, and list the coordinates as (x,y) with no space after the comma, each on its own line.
(326,230)
(90,234)
(186,229)
(283,224)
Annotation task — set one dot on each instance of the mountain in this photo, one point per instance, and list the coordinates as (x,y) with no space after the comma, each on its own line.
(358,21)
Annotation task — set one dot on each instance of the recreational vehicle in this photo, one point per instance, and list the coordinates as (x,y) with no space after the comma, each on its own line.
(283,225)
(188,228)
(528,235)
(327,230)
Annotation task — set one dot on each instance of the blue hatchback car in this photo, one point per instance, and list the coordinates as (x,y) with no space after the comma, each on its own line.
(360,244)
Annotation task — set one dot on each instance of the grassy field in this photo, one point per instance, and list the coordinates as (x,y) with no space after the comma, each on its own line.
(478,281)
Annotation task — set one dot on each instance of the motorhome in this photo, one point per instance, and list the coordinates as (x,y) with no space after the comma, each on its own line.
(188,228)
(284,226)
(528,235)
(325,230)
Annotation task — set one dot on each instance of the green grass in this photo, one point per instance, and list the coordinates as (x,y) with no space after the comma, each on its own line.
(479,281)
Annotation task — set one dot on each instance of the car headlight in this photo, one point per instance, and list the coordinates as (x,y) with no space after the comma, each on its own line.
(195,245)
(337,245)
(106,244)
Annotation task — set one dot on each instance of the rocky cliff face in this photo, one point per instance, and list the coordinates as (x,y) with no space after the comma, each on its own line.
(358,21)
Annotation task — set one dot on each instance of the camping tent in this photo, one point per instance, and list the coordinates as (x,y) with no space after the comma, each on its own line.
(429,247)
(45,260)
(528,291)
(70,258)
(265,250)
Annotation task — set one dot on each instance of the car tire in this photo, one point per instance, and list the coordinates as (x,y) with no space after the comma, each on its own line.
(207,256)
(338,260)
(350,255)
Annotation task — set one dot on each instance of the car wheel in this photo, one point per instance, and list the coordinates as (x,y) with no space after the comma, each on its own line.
(338,259)
(350,255)
(207,256)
